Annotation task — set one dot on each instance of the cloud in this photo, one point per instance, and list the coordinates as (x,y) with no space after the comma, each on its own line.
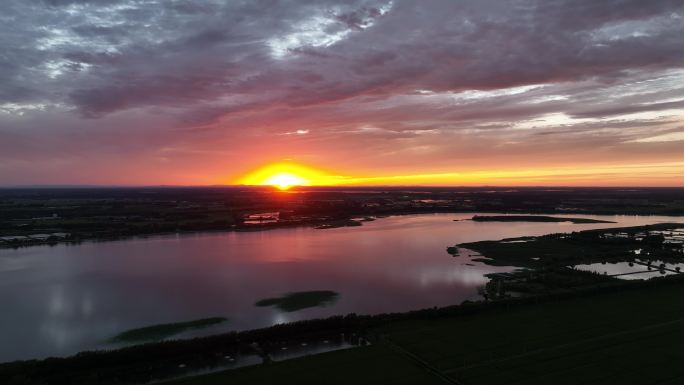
(675,136)
(630,109)
(515,80)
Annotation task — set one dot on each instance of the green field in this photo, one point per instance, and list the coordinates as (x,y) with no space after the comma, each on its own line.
(367,365)
(630,337)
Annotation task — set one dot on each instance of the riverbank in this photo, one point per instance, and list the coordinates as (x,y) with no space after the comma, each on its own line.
(22,241)
(175,358)
(51,216)
(189,277)
(555,262)
(482,343)
(616,337)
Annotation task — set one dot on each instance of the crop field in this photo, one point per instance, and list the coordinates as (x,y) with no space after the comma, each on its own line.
(625,337)
(367,365)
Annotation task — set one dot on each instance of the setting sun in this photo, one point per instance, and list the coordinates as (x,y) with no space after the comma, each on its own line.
(284,175)
(284,181)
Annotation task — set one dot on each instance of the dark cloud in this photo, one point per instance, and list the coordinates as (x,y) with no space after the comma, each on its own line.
(359,19)
(414,72)
(373,47)
(60,3)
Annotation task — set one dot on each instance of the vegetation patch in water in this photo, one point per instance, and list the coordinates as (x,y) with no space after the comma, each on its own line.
(301,300)
(584,247)
(533,218)
(549,260)
(340,223)
(162,331)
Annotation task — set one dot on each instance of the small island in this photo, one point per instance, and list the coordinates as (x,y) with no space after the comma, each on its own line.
(340,223)
(163,331)
(532,218)
(300,300)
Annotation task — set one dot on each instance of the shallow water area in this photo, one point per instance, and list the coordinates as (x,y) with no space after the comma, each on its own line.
(634,270)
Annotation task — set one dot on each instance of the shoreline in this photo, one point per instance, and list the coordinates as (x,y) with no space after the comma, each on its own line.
(158,361)
(315,224)
(167,359)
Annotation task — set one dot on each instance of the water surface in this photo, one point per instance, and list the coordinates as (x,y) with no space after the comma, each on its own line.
(58,300)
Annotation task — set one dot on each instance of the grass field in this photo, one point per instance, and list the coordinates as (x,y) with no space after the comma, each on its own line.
(367,365)
(629,337)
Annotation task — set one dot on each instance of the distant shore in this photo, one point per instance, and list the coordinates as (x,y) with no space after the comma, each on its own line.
(533,218)
(351,221)
(31,217)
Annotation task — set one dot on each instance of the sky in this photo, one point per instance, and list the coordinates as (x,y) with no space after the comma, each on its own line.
(387,92)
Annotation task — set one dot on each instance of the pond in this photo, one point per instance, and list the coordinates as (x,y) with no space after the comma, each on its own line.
(639,269)
(58,300)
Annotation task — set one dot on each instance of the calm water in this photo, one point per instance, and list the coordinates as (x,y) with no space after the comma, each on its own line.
(63,299)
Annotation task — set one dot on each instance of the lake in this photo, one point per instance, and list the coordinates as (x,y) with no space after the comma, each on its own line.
(58,300)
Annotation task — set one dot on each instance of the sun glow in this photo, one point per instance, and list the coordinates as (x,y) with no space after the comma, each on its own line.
(284,175)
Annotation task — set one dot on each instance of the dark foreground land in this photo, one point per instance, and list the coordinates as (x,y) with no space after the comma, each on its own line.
(53,215)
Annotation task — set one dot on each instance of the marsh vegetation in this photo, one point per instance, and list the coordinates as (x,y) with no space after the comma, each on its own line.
(301,300)
(163,331)
(563,261)
(533,218)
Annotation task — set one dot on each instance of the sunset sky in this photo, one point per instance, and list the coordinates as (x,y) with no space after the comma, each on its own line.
(451,92)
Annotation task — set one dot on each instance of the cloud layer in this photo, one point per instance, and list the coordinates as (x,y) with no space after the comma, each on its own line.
(187,92)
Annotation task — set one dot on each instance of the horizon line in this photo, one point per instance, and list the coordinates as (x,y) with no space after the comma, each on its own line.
(86,186)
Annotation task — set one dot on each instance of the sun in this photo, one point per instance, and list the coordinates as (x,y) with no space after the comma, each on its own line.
(284,175)
(285,180)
